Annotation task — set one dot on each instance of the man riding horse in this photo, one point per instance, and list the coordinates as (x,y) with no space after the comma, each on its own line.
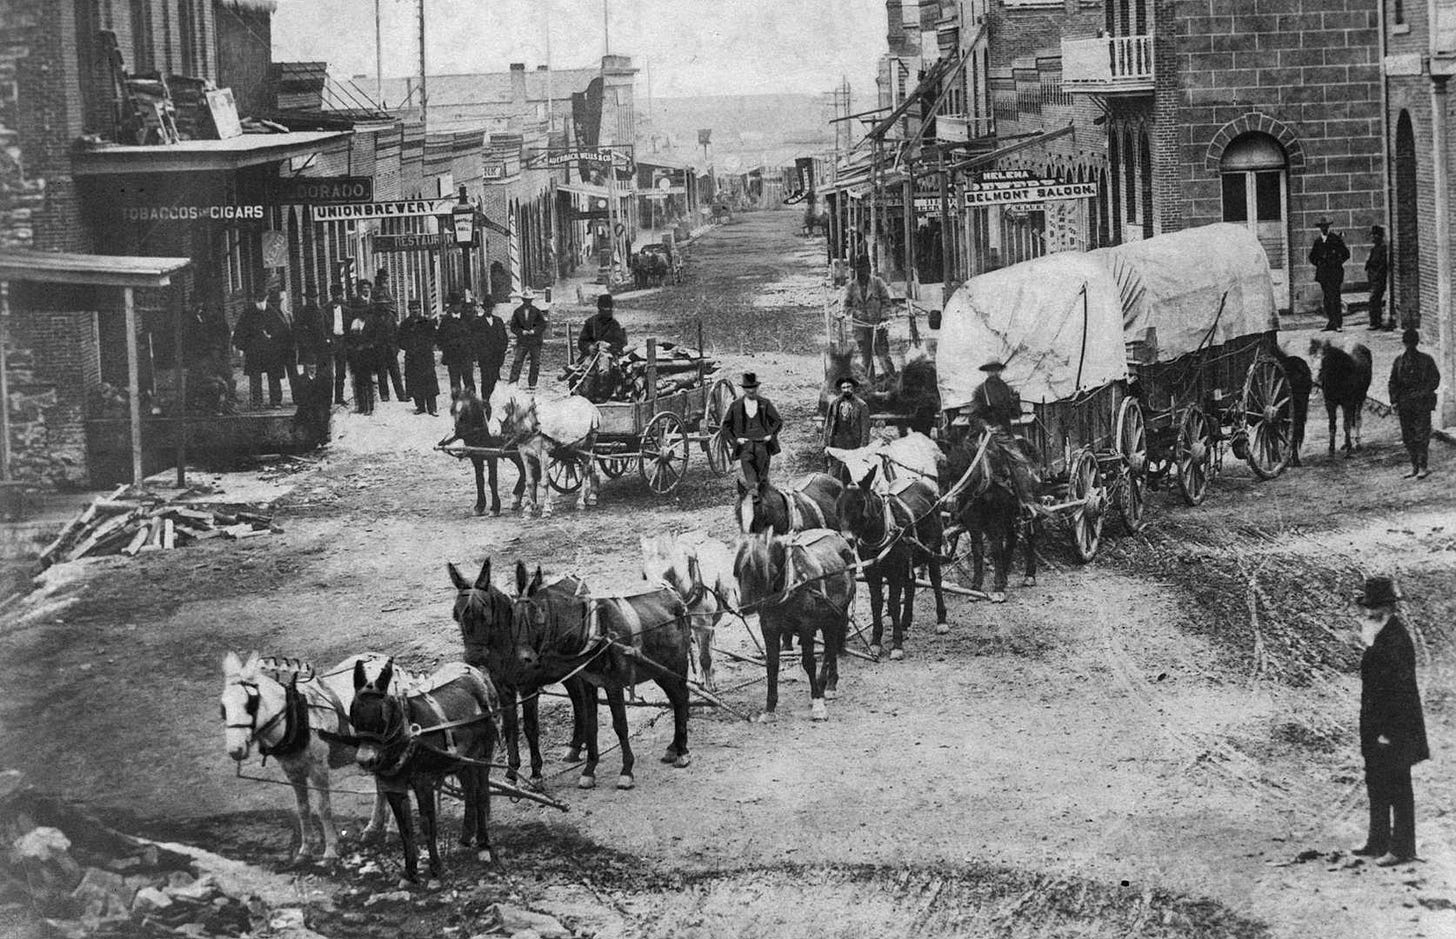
(994,406)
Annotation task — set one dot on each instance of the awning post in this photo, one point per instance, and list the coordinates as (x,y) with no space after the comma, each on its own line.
(133,378)
(4,382)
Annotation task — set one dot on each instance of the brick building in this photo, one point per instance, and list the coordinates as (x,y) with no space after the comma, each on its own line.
(1419,58)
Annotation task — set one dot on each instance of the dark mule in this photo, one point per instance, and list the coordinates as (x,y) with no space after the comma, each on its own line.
(895,532)
(471,414)
(1301,381)
(994,498)
(810,504)
(1344,380)
(612,642)
(801,585)
(487,628)
(414,740)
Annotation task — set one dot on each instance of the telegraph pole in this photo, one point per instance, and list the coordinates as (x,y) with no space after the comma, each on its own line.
(378,59)
(424,98)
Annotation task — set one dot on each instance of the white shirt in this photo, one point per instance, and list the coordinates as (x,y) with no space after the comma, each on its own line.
(338,309)
(750,407)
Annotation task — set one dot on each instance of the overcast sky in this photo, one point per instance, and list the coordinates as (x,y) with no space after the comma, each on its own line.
(694,47)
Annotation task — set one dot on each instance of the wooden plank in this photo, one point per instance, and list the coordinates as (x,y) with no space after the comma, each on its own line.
(135,545)
(169,534)
(101,531)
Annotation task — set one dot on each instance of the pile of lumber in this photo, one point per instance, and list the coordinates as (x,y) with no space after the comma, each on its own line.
(678,368)
(132,522)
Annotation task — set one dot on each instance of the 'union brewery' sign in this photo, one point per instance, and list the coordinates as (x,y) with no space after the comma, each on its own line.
(363,210)
(323,190)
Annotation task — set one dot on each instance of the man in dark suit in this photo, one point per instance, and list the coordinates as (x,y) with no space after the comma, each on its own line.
(454,338)
(1392,727)
(528,324)
(490,340)
(994,403)
(1328,255)
(753,424)
(1377,273)
(846,424)
(602,331)
(1414,379)
(336,327)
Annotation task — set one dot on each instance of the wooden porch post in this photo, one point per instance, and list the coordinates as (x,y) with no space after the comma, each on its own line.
(133,380)
(4,383)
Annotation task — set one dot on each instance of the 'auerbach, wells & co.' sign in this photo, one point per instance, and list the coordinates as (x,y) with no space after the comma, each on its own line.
(597,156)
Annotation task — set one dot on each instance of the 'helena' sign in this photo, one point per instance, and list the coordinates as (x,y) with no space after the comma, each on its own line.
(323,190)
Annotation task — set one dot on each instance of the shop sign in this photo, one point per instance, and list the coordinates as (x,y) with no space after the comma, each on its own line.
(503,169)
(193,213)
(367,210)
(323,190)
(394,244)
(1043,190)
(1005,176)
(595,156)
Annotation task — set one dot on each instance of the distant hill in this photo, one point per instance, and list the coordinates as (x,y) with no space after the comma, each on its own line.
(753,127)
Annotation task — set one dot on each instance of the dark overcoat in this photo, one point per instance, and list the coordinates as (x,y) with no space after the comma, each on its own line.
(1390,703)
(416,337)
(489,340)
(1328,255)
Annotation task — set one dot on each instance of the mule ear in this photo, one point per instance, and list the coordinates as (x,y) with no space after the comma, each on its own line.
(231,664)
(252,665)
(360,680)
(457,578)
(386,675)
(869,478)
(536,580)
(695,572)
(483,581)
(521,577)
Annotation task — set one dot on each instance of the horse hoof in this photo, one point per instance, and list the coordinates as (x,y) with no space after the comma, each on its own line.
(516,506)
(371,835)
(875,650)
(537,784)
(330,855)
(586,782)
(942,628)
(767,717)
(466,843)
(683,761)
(433,884)
(1028,582)
(495,513)
(571,756)
(485,856)
(896,655)
(998,596)
(625,781)
(480,510)
(819,712)
(830,694)
(405,883)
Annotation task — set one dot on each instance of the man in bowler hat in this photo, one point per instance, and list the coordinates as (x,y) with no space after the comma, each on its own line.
(1328,255)
(1392,727)
(753,425)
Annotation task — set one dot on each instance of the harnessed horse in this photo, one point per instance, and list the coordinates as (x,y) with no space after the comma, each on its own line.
(612,642)
(486,616)
(449,725)
(802,584)
(543,431)
(1344,380)
(993,502)
(284,721)
(471,416)
(700,569)
(810,504)
(895,530)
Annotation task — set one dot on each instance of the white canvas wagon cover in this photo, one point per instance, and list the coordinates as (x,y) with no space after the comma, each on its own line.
(1056,323)
(1193,289)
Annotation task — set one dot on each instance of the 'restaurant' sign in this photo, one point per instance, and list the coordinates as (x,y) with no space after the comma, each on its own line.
(1040,190)
(393,244)
(323,190)
(365,210)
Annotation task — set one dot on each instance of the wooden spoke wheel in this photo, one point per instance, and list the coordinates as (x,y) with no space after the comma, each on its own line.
(614,465)
(1132,446)
(720,453)
(1193,456)
(1268,418)
(717,447)
(564,475)
(664,456)
(1085,486)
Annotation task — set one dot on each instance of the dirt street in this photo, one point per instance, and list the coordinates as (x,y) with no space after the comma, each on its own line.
(1159,743)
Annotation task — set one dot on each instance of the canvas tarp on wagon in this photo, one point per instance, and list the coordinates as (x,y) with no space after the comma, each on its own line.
(1191,290)
(1056,323)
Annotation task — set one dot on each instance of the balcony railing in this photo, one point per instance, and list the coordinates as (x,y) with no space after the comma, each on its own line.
(1108,64)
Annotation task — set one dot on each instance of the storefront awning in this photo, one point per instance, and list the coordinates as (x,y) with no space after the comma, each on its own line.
(100,270)
(596,192)
(202,155)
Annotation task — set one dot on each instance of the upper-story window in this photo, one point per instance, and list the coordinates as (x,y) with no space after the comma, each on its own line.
(1399,12)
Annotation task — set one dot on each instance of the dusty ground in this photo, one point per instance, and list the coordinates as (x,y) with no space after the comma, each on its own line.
(1141,746)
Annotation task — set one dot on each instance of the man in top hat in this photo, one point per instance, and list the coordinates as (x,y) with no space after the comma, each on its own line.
(489,340)
(753,424)
(1328,255)
(336,325)
(1377,274)
(846,424)
(994,403)
(1414,378)
(528,325)
(602,332)
(866,302)
(1392,726)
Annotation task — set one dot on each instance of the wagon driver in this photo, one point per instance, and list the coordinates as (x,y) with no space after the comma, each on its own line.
(866,301)
(602,333)
(753,423)
(994,403)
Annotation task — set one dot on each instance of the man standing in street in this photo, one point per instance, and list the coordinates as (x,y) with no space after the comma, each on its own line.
(336,327)
(489,342)
(310,338)
(1414,378)
(846,425)
(865,303)
(528,325)
(416,338)
(1377,272)
(1392,726)
(1328,255)
(753,424)
(386,315)
(455,345)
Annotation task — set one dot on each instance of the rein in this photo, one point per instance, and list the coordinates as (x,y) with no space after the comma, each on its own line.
(293,716)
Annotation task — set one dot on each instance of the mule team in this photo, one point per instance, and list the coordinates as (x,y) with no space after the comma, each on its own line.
(794,567)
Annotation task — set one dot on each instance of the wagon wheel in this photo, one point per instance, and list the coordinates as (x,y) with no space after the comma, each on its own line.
(1132,446)
(720,453)
(563,475)
(1268,417)
(614,465)
(717,446)
(664,456)
(1193,456)
(1085,486)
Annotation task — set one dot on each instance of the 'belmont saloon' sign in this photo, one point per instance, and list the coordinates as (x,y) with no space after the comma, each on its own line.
(323,190)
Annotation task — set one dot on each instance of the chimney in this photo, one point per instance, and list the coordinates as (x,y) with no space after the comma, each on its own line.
(518,84)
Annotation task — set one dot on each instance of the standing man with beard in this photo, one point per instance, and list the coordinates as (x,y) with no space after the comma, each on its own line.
(753,424)
(846,425)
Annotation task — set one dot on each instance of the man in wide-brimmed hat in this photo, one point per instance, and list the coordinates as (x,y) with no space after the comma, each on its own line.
(528,325)
(602,333)
(753,424)
(1392,726)
(1328,255)
(846,424)
(866,303)
(994,403)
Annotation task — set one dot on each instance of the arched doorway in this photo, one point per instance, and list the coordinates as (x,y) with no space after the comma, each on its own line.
(1255,173)
(1406,293)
